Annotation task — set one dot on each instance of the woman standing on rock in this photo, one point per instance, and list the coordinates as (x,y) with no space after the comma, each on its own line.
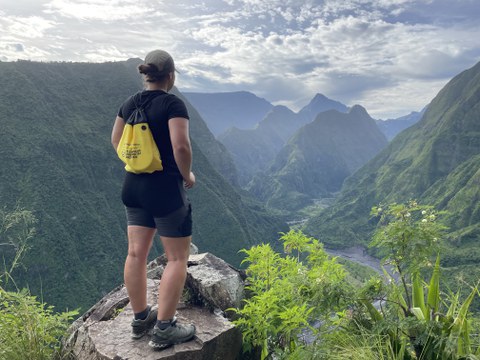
(157,202)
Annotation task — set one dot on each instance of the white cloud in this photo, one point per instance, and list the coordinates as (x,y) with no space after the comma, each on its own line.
(105,53)
(284,50)
(32,27)
(108,11)
(394,101)
(18,35)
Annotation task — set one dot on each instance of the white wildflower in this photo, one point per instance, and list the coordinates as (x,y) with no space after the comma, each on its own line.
(301,271)
(424,220)
(424,212)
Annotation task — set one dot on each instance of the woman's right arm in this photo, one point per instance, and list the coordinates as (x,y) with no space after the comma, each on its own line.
(117,131)
(182,149)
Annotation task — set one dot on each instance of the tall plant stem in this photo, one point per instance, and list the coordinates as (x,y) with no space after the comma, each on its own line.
(402,277)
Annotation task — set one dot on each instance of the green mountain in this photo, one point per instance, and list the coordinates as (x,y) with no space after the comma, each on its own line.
(436,161)
(318,158)
(58,162)
(254,149)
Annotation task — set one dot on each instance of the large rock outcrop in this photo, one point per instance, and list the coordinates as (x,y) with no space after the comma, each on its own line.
(212,287)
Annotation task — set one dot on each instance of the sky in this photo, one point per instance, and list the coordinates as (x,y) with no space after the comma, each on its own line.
(390,56)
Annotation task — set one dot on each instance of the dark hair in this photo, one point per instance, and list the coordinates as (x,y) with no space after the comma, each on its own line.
(152,74)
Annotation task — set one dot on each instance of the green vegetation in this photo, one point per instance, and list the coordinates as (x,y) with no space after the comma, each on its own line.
(29,329)
(356,273)
(428,324)
(404,316)
(16,230)
(287,294)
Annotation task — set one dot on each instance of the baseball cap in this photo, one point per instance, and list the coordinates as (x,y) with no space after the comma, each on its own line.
(161,59)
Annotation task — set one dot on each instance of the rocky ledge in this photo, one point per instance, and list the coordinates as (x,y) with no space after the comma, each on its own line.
(212,286)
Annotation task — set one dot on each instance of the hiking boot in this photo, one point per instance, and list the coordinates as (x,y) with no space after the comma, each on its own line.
(141,327)
(174,334)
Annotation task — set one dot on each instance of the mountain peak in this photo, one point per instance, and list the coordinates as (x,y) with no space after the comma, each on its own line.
(318,104)
(358,110)
(281,109)
(319,97)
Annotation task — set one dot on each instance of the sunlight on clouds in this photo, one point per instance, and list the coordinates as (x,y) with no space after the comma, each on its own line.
(99,9)
(438,53)
(24,27)
(104,54)
(249,55)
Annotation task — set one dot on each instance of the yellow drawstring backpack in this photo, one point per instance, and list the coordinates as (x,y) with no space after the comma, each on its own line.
(137,148)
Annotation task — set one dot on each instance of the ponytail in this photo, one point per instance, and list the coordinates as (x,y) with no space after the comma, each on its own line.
(152,74)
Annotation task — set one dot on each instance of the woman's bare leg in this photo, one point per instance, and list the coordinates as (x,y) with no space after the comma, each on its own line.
(171,285)
(140,240)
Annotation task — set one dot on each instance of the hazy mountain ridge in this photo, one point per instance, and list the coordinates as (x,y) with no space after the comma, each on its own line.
(319,104)
(254,150)
(318,158)
(435,161)
(59,163)
(220,111)
(214,150)
(392,127)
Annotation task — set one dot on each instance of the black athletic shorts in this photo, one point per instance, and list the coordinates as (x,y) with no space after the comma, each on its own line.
(158,200)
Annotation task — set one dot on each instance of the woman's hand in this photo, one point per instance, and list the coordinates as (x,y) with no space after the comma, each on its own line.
(188,183)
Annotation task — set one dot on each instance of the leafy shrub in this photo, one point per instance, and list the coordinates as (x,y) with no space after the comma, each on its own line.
(288,293)
(418,320)
(403,315)
(29,329)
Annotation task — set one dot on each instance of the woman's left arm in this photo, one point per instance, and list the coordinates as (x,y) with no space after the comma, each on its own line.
(117,131)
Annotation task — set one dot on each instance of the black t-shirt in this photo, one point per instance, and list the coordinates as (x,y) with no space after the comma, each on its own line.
(159,111)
